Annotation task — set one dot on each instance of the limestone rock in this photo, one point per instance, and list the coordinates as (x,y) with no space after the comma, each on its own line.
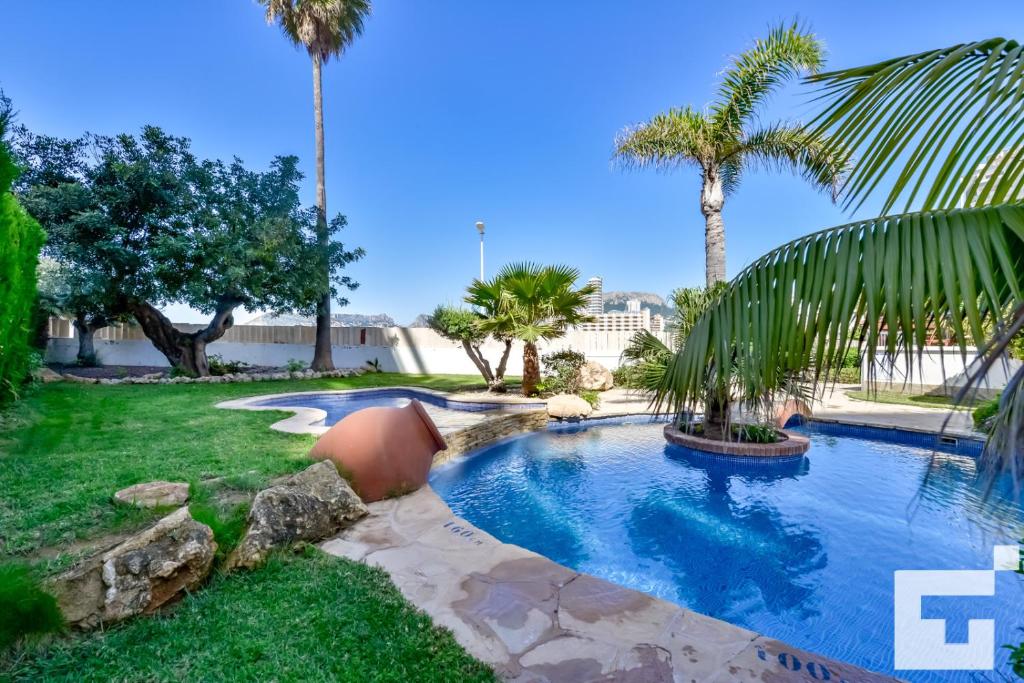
(596,377)
(309,506)
(140,574)
(81,380)
(153,494)
(568,406)
(46,375)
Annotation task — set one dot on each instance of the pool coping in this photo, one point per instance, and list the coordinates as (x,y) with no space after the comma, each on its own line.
(533,619)
(305,419)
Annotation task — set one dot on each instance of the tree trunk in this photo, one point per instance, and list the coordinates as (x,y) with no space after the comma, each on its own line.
(498,386)
(478,360)
(86,348)
(531,369)
(185,351)
(716,419)
(322,359)
(712,199)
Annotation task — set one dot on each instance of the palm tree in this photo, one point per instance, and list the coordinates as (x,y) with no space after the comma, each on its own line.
(932,131)
(325,28)
(530,302)
(721,143)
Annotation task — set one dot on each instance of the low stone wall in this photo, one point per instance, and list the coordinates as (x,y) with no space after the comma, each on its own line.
(471,438)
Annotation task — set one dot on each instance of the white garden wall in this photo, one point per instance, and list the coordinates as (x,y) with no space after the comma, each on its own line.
(936,366)
(398,349)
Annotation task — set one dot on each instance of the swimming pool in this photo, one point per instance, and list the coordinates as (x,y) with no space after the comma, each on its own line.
(338,404)
(802,550)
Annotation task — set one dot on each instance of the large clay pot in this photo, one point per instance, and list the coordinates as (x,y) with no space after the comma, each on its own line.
(384,451)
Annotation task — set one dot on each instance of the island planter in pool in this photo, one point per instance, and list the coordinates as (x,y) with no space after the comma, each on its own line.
(385,451)
(789,445)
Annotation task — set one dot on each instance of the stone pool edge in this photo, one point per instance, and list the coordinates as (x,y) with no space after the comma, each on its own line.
(535,620)
(305,420)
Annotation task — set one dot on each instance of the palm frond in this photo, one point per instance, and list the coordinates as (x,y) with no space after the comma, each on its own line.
(325,28)
(945,125)
(818,159)
(754,74)
(669,140)
(799,308)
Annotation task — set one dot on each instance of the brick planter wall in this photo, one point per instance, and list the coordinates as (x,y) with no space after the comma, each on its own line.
(470,438)
(790,445)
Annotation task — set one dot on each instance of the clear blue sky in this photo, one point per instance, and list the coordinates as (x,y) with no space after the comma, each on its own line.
(446,112)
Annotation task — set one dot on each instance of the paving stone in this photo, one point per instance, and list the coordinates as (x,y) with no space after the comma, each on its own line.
(538,622)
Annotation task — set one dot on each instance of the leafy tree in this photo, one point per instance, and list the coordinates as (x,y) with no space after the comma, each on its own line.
(723,141)
(325,29)
(463,326)
(146,224)
(926,128)
(530,302)
(20,241)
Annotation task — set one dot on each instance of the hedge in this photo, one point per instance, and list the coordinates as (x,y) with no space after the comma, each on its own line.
(20,241)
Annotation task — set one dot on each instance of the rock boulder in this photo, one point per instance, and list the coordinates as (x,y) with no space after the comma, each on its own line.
(568,407)
(596,377)
(153,494)
(309,506)
(138,575)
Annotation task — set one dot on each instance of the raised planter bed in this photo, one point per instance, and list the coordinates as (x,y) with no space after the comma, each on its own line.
(789,445)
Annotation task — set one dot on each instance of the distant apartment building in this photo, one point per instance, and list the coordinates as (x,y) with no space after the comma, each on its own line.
(619,321)
(657,323)
(595,300)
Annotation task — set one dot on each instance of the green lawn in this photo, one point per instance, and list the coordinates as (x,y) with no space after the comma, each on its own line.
(300,618)
(67,447)
(900,398)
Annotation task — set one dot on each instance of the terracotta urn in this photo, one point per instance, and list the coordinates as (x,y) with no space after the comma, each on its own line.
(384,452)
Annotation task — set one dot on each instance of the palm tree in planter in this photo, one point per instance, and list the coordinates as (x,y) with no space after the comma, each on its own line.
(325,29)
(530,302)
(939,134)
(722,142)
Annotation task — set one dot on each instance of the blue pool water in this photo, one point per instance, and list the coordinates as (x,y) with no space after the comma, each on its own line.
(338,405)
(803,551)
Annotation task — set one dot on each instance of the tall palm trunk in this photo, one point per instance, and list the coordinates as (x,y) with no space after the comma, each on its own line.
(322,359)
(531,368)
(712,198)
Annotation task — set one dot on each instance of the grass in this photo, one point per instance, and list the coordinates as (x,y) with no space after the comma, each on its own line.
(66,448)
(308,617)
(901,398)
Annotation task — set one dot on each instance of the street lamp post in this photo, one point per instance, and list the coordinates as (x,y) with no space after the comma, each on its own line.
(480,229)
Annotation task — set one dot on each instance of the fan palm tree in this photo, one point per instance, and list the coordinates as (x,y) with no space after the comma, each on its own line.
(530,302)
(324,28)
(721,142)
(939,135)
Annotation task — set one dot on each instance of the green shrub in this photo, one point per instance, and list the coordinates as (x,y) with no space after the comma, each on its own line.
(20,241)
(849,375)
(562,372)
(591,397)
(25,608)
(295,365)
(984,412)
(756,433)
(629,376)
(219,366)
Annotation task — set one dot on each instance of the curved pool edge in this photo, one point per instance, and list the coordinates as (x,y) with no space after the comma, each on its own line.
(531,618)
(306,420)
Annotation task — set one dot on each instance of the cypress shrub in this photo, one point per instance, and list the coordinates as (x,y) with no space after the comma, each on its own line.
(20,241)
